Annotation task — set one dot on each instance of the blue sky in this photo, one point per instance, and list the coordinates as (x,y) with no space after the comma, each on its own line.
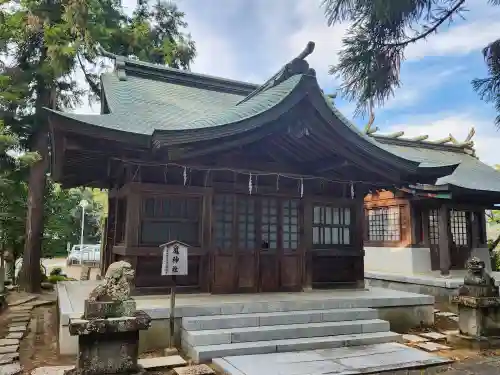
(251,39)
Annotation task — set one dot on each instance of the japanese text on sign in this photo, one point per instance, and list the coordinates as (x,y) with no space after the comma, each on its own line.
(175,259)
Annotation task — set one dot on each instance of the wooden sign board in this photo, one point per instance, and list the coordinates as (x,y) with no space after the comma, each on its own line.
(174,259)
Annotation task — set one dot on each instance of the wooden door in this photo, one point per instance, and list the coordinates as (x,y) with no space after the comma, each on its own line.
(292,254)
(269,250)
(223,260)
(460,244)
(256,244)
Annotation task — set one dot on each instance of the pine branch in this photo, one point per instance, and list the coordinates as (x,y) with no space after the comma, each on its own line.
(430,29)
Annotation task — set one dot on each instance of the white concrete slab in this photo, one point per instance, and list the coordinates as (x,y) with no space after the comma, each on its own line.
(454,281)
(340,361)
(71,296)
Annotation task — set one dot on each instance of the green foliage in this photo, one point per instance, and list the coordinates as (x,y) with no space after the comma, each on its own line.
(43,44)
(57,271)
(380,31)
(63,217)
(53,279)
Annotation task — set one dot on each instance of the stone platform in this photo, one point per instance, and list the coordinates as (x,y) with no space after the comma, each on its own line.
(431,283)
(306,320)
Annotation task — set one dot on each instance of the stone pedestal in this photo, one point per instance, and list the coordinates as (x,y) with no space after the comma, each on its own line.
(108,346)
(478,305)
(108,332)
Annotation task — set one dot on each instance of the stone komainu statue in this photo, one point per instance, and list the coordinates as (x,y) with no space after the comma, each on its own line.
(116,286)
(478,282)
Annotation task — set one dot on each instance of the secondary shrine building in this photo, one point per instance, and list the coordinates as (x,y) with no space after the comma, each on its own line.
(265,183)
(420,228)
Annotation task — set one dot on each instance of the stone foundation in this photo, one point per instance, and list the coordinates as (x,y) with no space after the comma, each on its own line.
(402,310)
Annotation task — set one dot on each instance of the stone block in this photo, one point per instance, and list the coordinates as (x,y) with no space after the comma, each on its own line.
(445,314)
(17,328)
(195,338)
(194,370)
(51,370)
(15,335)
(162,362)
(22,300)
(111,309)
(11,369)
(8,358)
(19,319)
(432,346)
(9,349)
(413,339)
(107,354)
(9,342)
(111,326)
(435,336)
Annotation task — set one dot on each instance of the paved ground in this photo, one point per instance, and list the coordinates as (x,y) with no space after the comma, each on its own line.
(340,361)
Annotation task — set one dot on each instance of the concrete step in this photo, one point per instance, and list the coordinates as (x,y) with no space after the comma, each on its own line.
(206,353)
(281,332)
(275,318)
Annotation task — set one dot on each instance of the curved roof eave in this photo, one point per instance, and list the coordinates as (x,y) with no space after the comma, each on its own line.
(89,125)
(365,143)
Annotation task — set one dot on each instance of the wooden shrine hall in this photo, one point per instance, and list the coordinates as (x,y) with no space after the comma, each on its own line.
(420,228)
(265,183)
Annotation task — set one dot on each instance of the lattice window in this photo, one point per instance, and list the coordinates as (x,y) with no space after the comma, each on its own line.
(269,225)
(290,224)
(459,227)
(168,219)
(246,223)
(331,225)
(223,207)
(384,224)
(434,227)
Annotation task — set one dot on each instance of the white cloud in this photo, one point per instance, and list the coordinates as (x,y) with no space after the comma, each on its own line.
(418,83)
(441,125)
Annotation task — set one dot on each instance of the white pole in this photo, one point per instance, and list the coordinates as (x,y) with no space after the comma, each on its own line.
(81,234)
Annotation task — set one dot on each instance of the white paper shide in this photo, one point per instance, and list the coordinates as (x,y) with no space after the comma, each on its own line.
(174,259)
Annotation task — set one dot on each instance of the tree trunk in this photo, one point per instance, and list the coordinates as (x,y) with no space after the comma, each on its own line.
(492,246)
(30,277)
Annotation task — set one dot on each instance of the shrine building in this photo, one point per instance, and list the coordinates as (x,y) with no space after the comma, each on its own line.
(265,183)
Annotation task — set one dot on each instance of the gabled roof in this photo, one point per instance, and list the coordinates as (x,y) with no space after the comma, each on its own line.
(470,175)
(160,107)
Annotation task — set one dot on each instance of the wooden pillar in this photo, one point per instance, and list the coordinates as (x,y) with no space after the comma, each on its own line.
(110,235)
(415,215)
(444,240)
(307,242)
(475,230)
(132,220)
(206,266)
(358,236)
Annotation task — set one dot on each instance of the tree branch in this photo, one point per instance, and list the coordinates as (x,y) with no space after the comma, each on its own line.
(432,29)
(93,86)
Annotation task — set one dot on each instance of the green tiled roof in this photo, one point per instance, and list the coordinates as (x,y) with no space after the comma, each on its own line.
(470,173)
(180,108)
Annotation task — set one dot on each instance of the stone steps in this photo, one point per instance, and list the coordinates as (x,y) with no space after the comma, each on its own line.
(206,337)
(206,353)
(211,322)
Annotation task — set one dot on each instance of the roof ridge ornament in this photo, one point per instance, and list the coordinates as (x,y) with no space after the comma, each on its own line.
(119,62)
(296,66)
(307,51)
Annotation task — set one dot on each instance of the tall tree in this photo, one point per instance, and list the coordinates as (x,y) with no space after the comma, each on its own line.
(380,31)
(43,43)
